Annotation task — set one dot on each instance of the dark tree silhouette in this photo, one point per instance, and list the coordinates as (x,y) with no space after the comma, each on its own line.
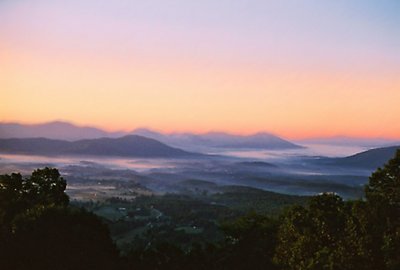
(46,187)
(250,243)
(40,231)
(327,234)
(383,199)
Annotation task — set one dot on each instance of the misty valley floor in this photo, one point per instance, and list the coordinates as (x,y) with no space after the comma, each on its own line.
(290,172)
(184,200)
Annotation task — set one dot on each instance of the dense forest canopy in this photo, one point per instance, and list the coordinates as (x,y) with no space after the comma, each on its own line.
(40,229)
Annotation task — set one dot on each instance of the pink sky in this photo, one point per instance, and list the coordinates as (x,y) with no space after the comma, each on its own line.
(316,69)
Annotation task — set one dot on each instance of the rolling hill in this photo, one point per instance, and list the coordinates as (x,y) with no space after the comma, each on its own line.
(59,130)
(370,159)
(220,140)
(127,146)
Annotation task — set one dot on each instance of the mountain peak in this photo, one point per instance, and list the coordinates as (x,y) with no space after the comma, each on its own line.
(71,132)
(126,146)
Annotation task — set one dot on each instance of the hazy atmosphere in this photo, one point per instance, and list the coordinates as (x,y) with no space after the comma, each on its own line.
(230,134)
(297,69)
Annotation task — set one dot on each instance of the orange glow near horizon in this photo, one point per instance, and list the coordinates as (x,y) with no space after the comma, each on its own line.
(188,76)
(176,98)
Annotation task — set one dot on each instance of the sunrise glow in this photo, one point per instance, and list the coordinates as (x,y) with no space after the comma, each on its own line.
(297,70)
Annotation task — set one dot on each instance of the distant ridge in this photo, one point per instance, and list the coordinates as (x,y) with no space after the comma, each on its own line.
(351,141)
(127,146)
(59,130)
(221,140)
(54,130)
(370,159)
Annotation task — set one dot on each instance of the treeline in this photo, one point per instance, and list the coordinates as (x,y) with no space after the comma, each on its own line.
(40,230)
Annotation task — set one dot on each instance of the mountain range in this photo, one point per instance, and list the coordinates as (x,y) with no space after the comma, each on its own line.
(67,131)
(57,130)
(370,159)
(127,146)
(220,140)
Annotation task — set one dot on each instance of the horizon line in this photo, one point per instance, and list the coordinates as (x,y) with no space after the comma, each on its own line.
(244,134)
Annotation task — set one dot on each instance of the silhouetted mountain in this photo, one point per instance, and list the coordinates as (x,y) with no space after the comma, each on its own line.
(259,140)
(66,131)
(370,159)
(220,140)
(54,130)
(128,146)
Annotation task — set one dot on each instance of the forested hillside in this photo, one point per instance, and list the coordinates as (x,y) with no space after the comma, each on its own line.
(40,229)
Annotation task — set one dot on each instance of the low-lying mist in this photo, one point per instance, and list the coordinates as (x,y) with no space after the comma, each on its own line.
(295,171)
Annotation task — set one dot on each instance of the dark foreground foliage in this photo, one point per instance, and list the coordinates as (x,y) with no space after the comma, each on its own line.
(39,230)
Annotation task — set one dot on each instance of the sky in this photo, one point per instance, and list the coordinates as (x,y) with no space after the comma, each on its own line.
(298,69)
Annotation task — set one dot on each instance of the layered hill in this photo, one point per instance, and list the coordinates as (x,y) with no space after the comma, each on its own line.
(221,140)
(54,130)
(66,131)
(370,159)
(127,146)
